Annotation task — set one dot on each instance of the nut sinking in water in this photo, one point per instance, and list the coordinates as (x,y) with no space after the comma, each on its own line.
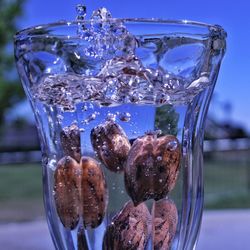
(70,140)
(129,229)
(164,223)
(111,145)
(67,190)
(94,192)
(80,190)
(152,167)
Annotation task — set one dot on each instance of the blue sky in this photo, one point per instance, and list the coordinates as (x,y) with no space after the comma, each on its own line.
(233,84)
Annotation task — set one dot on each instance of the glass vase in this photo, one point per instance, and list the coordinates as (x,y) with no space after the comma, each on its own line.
(120,107)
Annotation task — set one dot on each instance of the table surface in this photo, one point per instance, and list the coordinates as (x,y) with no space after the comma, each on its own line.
(223,229)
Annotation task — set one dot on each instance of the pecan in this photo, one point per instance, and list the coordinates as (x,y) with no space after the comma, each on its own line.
(67,190)
(152,167)
(111,145)
(82,243)
(94,192)
(80,190)
(129,229)
(70,140)
(164,223)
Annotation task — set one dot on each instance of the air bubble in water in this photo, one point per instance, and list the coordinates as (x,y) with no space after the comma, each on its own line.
(111,117)
(172,145)
(84,107)
(159,158)
(59,118)
(125,117)
(91,117)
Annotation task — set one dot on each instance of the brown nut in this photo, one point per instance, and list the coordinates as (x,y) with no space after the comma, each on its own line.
(70,140)
(67,190)
(129,229)
(152,167)
(111,145)
(80,190)
(94,192)
(164,224)
(82,243)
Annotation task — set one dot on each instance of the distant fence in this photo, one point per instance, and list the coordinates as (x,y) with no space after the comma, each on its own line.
(227,145)
(20,154)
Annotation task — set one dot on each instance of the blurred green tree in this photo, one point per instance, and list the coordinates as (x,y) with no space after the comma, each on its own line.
(11,90)
(166,119)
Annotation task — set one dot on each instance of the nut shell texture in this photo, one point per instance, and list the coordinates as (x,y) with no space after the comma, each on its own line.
(67,189)
(152,167)
(94,192)
(70,140)
(129,229)
(80,190)
(111,145)
(164,223)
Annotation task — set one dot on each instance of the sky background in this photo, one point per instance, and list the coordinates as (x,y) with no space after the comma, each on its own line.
(233,85)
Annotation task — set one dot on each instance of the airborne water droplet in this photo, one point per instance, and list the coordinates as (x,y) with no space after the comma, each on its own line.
(81,12)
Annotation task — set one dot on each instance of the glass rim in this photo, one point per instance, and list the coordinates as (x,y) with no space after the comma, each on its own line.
(182,22)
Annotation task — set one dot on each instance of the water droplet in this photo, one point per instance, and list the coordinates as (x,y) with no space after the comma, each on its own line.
(52,164)
(90,118)
(125,117)
(172,145)
(111,117)
(159,158)
(91,106)
(101,14)
(74,123)
(158,132)
(160,180)
(81,12)
(84,107)
(59,117)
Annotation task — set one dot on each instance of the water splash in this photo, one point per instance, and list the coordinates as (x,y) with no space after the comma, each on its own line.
(81,15)
(111,71)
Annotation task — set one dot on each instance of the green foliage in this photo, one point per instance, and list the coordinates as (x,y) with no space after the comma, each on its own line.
(11,90)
